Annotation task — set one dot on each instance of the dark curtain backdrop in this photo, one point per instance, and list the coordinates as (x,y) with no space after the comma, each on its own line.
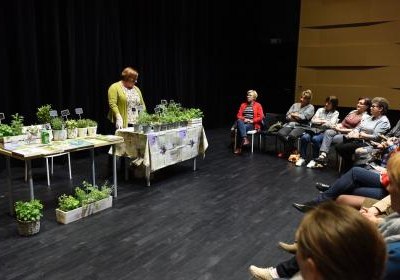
(203,54)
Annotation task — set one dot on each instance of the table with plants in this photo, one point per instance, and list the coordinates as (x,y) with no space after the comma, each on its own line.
(29,150)
(171,135)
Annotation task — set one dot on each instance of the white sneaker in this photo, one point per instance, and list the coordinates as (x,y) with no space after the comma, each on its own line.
(261,273)
(300,162)
(311,164)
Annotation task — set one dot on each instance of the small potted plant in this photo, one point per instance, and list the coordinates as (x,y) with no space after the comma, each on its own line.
(82,127)
(87,200)
(72,128)
(13,132)
(58,127)
(43,114)
(28,216)
(69,209)
(92,127)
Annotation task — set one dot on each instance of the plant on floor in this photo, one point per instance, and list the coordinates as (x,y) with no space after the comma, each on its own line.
(87,193)
(67,203)
(29,211)
(43,114)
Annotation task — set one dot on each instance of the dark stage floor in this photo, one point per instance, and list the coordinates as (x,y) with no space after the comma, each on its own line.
(208,224)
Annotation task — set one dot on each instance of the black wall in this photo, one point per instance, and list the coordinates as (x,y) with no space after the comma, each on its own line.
(204,54)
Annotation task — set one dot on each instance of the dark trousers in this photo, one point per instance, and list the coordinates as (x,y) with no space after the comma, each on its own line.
(288,268)
(346,151)
(356,181)
(289,135)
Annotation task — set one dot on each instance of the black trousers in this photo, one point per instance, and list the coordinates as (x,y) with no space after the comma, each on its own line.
(288,268)
(346,151)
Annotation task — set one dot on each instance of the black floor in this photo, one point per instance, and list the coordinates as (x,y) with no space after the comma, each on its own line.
(208,224)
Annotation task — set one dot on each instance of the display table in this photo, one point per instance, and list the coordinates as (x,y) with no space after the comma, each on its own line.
(157,150)
(27,152)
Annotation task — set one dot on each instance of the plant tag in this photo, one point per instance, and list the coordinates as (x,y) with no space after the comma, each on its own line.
(1,117)
(65,113)
(53,113)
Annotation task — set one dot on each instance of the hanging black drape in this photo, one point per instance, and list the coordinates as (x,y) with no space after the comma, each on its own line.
(204,54)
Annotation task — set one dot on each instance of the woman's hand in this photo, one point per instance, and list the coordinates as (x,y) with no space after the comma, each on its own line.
(119,122)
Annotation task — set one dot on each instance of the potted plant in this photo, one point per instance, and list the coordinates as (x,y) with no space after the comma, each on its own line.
(82,127)
(92,127)
(69,209)
(72,128)
(58,127)
(43,114)
(12,133)
(87,200)
(28,216)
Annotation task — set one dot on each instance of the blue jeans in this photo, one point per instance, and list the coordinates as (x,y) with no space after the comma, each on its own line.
(316,141)
(242,129)
(357,181)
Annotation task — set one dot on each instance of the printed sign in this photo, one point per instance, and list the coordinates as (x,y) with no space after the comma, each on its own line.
(53,113)
(65,113)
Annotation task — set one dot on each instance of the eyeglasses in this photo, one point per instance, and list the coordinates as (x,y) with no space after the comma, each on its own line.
(361,103)
(375,106)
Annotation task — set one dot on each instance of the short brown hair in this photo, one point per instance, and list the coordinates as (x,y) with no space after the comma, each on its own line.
(383,103)
(341,243)
(129,74)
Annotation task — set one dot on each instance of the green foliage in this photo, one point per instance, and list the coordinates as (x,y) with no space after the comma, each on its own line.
(15,128)
(17,123)
(87,193)
(57,123)
(5,130)
(82,123)
(43,114)
(70,124)
(91,123)
(67,203)
(29,210)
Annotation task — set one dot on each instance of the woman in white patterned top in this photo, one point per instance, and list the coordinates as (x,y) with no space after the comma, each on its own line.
(125,99)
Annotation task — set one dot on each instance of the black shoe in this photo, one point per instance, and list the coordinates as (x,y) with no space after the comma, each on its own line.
(321,186)
(306,206)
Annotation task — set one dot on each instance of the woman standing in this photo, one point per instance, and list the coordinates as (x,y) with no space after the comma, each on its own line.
(125,99)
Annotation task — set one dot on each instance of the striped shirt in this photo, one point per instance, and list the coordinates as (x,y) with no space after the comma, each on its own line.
(248,113)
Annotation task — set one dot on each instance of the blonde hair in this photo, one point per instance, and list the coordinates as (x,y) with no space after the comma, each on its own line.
(129,74)
(393,169)
(307,94)
(253,93)
(341,243)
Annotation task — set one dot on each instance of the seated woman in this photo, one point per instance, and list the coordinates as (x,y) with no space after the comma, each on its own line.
(367,181)
(249,117)
(325,117)
(299,114)
(333,242)
(389,228)
(370,129)
(335,135)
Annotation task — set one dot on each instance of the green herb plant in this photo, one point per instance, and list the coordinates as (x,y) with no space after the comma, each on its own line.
(67,203)
(43,114)
(29,210)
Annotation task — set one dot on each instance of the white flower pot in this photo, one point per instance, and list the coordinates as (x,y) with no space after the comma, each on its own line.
(82,131)
(72,133)
(59,135)
(81,212)
(92,131)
